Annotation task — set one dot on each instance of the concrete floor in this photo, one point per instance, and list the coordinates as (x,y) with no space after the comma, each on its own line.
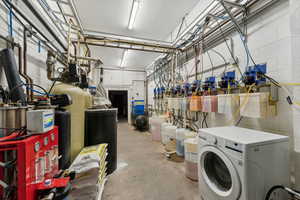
(144,173)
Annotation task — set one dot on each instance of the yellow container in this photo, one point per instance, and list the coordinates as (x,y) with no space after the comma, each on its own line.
(81,101)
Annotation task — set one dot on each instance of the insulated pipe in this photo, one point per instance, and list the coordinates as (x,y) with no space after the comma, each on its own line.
(8,62)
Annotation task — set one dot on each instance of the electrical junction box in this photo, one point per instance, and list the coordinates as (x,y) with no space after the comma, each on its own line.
(40,121)
(229,104)
(257,105)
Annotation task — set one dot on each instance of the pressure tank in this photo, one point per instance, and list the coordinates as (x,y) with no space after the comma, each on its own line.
(101,127)
(141,123)
(81,101)
(63,121)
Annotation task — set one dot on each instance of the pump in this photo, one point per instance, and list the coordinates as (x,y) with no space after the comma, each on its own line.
(209,83)
(227,80)
(196,85)
(254,75)
(186,89)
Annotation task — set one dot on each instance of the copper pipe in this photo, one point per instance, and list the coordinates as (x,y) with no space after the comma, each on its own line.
(21,68)
(29,81)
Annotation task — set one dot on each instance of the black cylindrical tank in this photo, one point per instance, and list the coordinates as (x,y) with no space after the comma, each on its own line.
(101,127)
(63,121)
(141,123)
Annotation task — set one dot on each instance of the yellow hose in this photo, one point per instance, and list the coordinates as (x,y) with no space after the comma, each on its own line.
(290,84)
(297,103)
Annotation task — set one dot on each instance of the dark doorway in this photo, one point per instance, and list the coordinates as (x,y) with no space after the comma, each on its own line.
(119,99)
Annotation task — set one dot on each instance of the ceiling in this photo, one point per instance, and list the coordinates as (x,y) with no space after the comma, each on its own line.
(155,20)
(113,57)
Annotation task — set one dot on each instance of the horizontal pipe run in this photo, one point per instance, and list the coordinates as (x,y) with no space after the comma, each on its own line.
(210,69)
(120,47)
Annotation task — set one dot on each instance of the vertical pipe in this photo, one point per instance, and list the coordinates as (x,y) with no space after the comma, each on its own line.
(173,70)
(69,43)
(146,100)
(10,26)
(28,80)
(20,61)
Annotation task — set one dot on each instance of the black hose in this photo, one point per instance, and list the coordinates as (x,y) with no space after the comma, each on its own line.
(25,84)
(52,86)
(292,192)
(272,190)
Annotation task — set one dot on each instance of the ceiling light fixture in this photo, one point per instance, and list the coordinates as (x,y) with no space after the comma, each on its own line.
(134,10)
(124,58)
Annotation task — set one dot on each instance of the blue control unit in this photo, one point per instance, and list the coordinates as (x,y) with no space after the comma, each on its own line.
(254,74)
(138,107)
(227,79)
(209,83)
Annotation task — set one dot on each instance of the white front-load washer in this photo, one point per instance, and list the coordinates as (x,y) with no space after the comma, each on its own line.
(241,164)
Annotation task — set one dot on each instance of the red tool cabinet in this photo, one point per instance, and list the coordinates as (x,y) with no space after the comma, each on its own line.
(36,160)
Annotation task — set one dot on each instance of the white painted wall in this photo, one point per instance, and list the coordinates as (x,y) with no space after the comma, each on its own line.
(295,48)
(130,81)
(36,60)
(274,38)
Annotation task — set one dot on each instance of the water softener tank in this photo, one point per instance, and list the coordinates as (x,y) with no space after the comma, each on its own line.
(101,127)
(63,121)
(81,101)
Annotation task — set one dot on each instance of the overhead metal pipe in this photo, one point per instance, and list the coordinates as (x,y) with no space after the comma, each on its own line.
(45,24)
(18,11)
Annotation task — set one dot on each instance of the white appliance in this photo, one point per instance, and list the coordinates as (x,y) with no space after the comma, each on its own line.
(241,164)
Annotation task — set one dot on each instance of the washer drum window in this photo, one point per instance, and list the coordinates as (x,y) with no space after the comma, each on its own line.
(217,172)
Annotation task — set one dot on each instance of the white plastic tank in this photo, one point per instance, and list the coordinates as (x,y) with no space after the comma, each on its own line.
(180,136)
(190,134)
(155,127)
(81,101)
(191,158)
(164,135)
(150,124)
(171,131)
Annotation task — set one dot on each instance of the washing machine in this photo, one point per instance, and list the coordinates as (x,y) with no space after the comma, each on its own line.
(241,164)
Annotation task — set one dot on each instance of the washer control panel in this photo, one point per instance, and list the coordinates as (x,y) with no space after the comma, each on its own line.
(234,146)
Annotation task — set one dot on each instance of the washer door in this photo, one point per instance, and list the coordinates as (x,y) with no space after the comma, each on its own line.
(217,175)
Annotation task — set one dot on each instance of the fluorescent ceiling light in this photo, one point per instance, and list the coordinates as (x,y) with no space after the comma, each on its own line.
(124,58)
(134,10)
